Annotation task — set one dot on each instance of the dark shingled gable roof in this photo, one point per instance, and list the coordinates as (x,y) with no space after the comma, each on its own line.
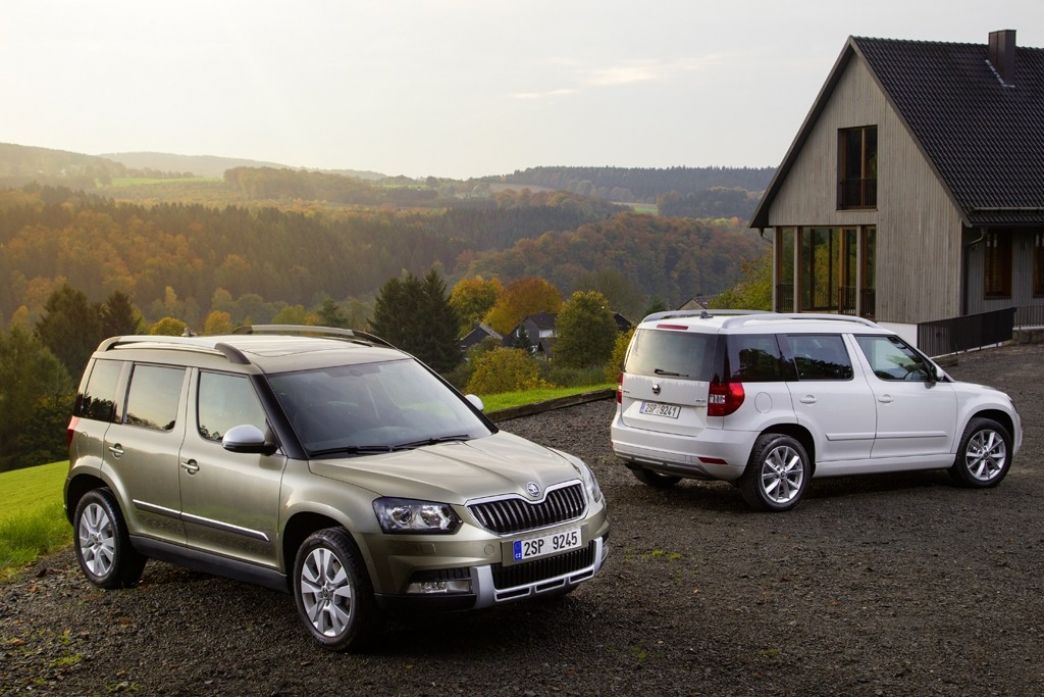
(985,139)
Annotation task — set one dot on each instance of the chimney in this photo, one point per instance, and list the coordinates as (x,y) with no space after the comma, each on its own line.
(1002,54)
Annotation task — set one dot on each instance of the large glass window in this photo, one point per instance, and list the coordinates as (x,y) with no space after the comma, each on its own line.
(891,359)
(868,276)
(857,167)
(819,268)
(997,277)
(819,356)
(785,269)
(1038,264)
(99,399)
(152,401)
(226,401)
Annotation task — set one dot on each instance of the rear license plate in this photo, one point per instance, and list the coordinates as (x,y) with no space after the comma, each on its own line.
(657,409)
(554,543)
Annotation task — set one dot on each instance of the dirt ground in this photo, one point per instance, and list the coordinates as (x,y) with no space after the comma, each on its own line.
(876,585)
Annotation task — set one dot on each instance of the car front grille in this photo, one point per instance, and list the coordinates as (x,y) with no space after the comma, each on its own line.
(541,569)
(511,515)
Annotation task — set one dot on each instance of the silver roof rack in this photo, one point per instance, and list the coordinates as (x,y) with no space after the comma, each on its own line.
(310,330)
(185,343)
(795,316)
(702,314)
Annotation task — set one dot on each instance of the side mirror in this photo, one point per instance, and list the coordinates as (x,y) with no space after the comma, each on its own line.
(247,438)
(476,401)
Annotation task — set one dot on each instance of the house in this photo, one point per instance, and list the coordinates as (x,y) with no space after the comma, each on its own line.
(914,189)
(537,332)
(622,323)
(481,332)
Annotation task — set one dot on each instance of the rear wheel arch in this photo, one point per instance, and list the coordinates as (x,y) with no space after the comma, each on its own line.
(75,490)
(801,435)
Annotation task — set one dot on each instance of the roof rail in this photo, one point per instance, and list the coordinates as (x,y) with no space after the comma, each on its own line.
(782,316)
(308,329)
(703,314)
(185,343)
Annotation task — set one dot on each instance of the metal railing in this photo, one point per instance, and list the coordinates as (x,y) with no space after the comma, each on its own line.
(784,297)
(1029,316)
(944,336)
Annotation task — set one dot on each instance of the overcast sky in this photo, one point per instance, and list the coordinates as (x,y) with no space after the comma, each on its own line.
(447,87)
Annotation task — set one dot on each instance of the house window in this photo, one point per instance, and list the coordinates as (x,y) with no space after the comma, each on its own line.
(785,269)
(857,167)
(1038,264)
(998,264)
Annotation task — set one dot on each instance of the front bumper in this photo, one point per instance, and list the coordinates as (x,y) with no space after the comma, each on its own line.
(494,584)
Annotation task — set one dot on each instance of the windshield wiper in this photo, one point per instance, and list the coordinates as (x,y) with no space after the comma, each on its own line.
(670,373)
(354,450)
(432,441)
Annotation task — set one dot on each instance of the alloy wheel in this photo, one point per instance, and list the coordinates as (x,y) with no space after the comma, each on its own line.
(326,590)
(782,474)
(97,540)
(985,455)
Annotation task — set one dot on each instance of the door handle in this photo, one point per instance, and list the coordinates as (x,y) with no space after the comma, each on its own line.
(116,450)
(808,399)
(190,466)
(885,399)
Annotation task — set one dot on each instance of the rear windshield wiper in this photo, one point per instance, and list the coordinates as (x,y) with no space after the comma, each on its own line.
(432,441)
(671,373)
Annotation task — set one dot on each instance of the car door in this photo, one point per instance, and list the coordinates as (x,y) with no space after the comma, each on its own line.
(141,451)
(916,414)
(838,409)
(230,501)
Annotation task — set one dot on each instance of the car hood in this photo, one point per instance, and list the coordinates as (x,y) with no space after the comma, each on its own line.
(453,472)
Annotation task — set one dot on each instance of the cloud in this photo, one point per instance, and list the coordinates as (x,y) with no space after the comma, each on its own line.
(544,95)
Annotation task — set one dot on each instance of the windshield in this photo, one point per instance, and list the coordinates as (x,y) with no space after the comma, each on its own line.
(373,407)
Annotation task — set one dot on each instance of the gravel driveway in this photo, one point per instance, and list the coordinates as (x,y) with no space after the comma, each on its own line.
(882,585)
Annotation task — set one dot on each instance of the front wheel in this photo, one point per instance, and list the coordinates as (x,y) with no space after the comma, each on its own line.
(103,547)
(777,473)
(333,591)
(984,455)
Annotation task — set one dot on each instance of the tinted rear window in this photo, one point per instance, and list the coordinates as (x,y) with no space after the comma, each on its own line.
(757,358)
(98,400)
(672,353)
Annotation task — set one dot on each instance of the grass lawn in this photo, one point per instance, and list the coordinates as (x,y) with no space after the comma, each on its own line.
(505,400)
(31,521)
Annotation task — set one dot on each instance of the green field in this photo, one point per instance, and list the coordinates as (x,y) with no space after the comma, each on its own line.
(32,521)
(505,400)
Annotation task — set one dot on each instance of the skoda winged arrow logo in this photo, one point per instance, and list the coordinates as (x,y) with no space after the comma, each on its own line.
(533,489)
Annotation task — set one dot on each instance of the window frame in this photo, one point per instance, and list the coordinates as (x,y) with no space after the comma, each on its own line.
(999,240)
(867,192)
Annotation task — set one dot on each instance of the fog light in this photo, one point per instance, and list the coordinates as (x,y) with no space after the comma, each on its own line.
(430,587)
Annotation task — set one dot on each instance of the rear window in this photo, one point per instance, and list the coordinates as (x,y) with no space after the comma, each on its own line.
(98,400)
(757,358)
(820,356)
(674,354)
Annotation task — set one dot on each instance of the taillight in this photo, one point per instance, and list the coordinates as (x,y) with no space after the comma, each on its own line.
(724,398)
(619,388)
(70,430)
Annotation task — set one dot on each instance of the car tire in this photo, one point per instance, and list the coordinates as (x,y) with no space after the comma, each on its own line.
(655,479)
(333,592)
(103,547)
(777,473)
(984,455)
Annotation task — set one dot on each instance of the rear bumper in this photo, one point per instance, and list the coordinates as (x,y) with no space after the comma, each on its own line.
(681,455)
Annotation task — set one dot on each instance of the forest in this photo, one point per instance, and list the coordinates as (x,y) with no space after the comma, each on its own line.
(182,260)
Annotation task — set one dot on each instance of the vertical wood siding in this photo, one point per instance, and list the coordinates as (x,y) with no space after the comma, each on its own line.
(918,228)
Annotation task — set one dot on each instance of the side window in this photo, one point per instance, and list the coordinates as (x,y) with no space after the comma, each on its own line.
(757,358)
(819,356)
(891,359)
(226,401)
(99,399)
(152,401)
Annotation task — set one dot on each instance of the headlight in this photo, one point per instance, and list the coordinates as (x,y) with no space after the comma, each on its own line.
(410,516)
(586,475)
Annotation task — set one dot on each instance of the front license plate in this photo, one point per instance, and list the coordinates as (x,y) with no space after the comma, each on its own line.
(671,411)
(554,543)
